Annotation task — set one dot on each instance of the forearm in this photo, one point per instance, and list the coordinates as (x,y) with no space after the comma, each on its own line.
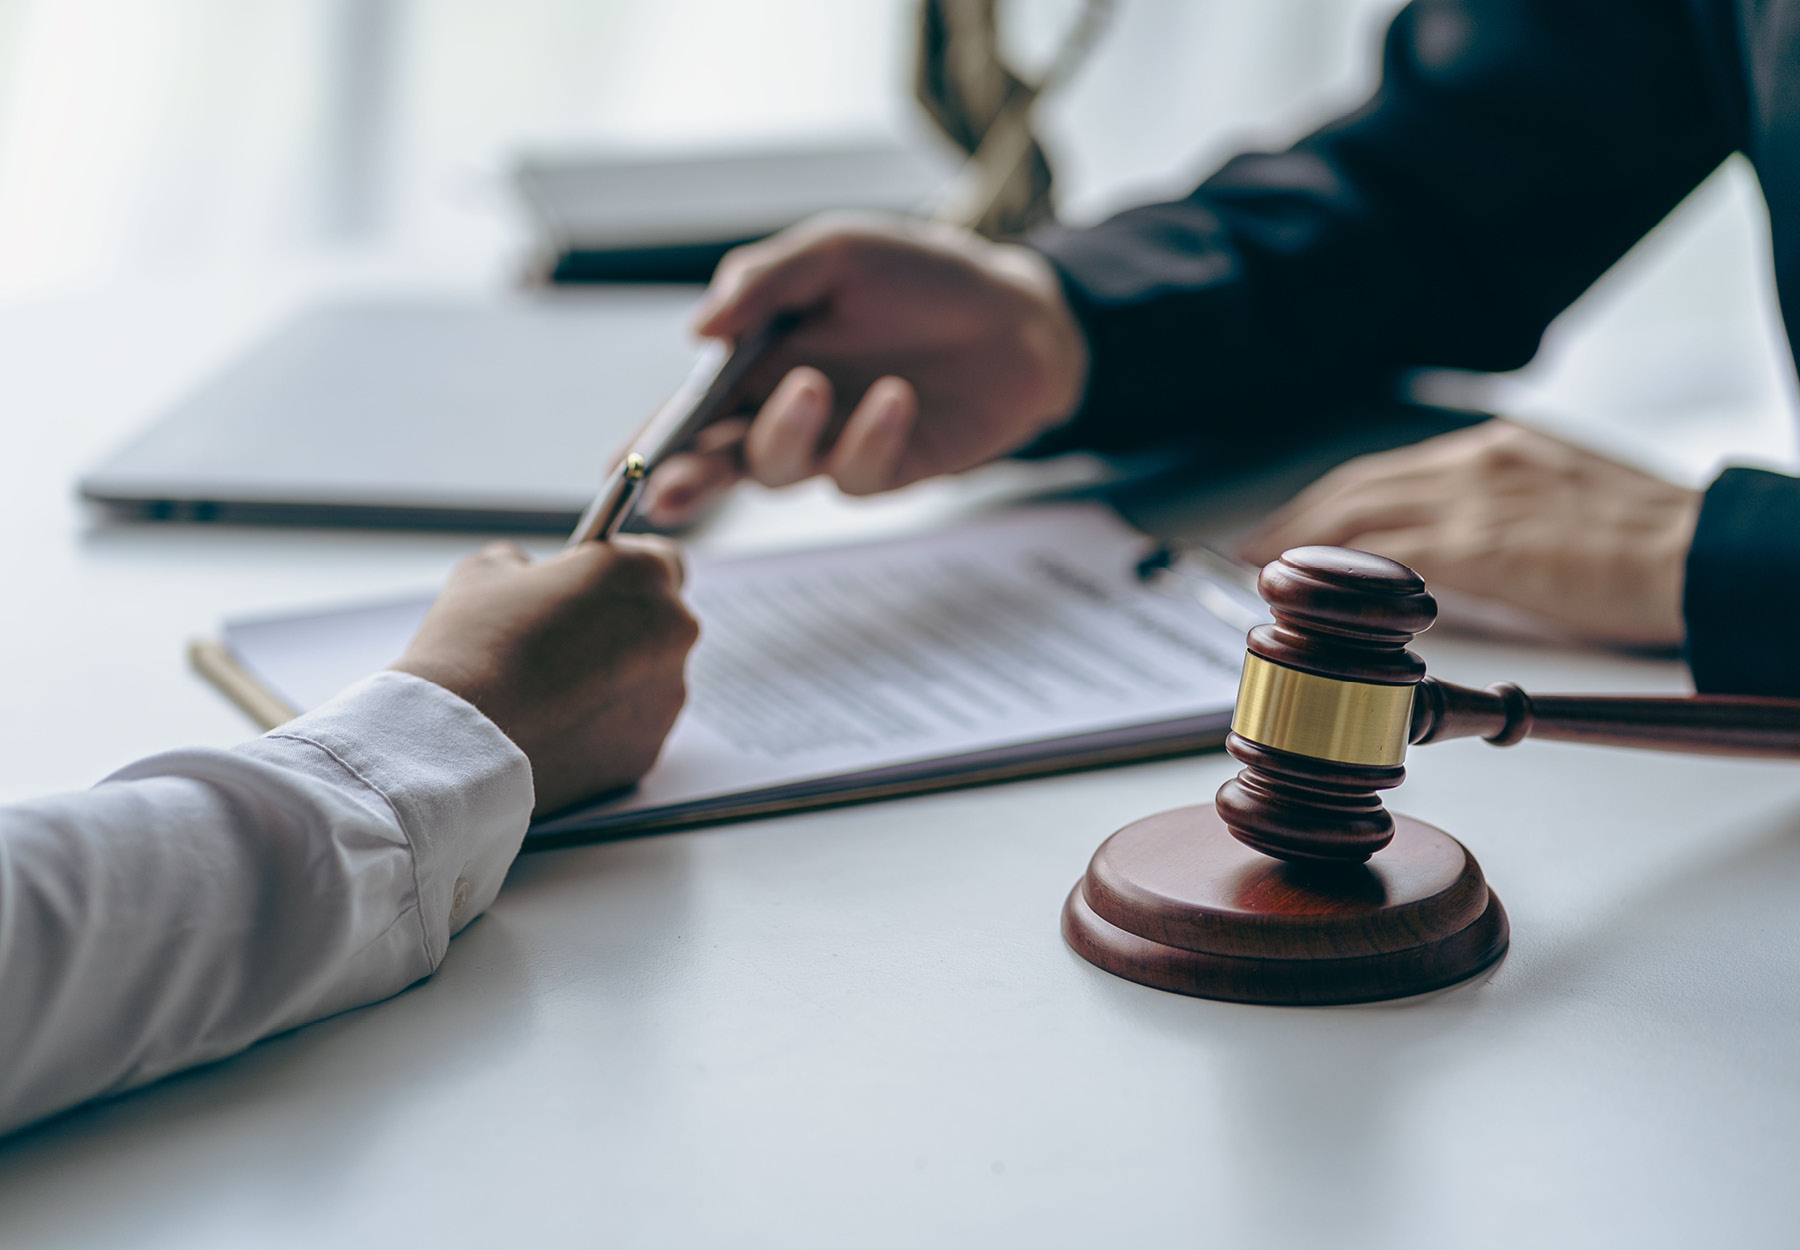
(200,900)
(1513,151)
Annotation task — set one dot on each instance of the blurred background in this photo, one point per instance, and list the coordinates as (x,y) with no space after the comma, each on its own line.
(181,135)
(248,156)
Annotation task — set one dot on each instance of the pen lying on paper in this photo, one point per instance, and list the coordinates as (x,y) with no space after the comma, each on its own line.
(696,404)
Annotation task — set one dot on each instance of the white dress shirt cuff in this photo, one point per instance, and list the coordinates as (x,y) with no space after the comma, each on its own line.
(460,788)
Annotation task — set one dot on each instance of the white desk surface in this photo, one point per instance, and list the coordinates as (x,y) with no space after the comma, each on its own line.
(860,1027)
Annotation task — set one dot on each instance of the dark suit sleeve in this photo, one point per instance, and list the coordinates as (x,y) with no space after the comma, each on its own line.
(1514,150)
(1742,598)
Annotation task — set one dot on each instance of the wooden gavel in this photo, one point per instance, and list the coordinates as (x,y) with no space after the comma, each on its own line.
(1275,893)
(1331,698)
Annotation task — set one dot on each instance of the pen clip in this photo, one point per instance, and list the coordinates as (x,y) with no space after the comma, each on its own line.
(1221,585)
(613,504)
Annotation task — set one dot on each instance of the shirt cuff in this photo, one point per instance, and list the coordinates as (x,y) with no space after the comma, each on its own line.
(459,787)
(1742,597)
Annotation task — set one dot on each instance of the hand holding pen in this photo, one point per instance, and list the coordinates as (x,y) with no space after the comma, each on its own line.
(921,349)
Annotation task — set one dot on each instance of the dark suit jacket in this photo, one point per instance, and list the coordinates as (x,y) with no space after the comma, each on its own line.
(1514,150)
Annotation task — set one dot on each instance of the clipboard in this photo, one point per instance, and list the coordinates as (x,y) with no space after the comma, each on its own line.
(1174,673)
(213,661)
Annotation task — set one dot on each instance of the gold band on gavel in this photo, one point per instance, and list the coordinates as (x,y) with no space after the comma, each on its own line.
(1349,722)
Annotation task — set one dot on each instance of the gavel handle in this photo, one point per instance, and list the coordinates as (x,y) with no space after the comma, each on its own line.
(1711,724)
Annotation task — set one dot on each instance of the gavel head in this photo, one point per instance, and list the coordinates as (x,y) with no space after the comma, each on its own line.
(1325,705)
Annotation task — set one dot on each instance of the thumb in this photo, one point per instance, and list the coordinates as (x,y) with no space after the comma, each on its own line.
(791,272)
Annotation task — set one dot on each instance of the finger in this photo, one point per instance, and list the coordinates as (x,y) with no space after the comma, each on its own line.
(687,483)
(1395,484)
(1447,561)
(647,554)
(782,446)
(1335,521)
(1404,466)
(720,435)
(794,270)
(810,343)
(869,452)
(501,551)
(1416,547)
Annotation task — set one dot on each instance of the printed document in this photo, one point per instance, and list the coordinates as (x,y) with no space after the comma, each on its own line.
(1014,636)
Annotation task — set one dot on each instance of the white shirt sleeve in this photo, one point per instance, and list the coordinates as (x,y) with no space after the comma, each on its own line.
(201,899)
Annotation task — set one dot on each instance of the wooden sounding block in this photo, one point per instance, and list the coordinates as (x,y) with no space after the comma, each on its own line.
(1297,886)
(1176,902)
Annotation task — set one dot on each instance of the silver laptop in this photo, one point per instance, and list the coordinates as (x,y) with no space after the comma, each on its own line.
(500,413)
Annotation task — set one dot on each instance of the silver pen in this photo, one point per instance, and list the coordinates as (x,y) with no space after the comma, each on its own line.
(700,400)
